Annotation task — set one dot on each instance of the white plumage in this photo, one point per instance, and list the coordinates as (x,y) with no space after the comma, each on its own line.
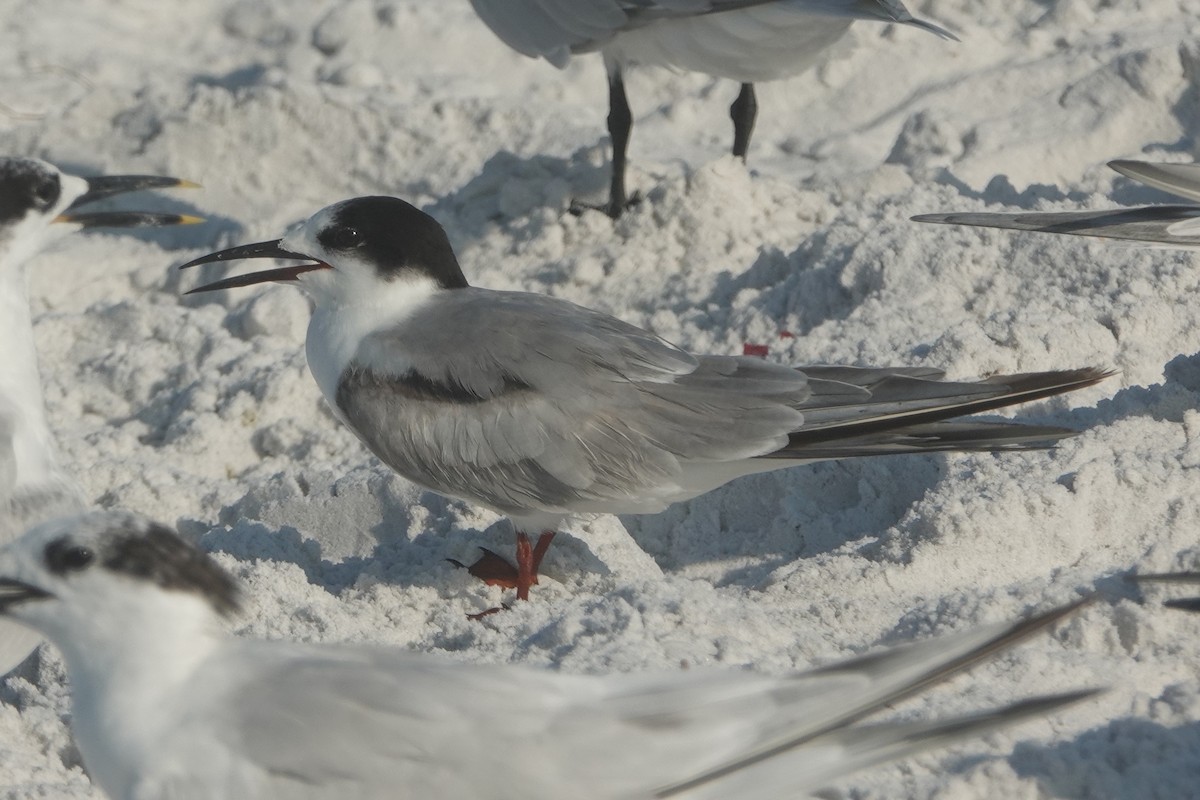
(34,486)
(165,706)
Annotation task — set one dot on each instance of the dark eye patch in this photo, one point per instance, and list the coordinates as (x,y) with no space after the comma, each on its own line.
(340,237)
(63,556)
(159,556)
(46,192)
(26,185)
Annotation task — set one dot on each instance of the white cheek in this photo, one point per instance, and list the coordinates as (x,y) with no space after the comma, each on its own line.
(72,188)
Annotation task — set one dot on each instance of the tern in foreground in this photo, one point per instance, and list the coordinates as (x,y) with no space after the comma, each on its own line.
(538,408)
(1174,225)
(167,706)
(37,203)
(748,41)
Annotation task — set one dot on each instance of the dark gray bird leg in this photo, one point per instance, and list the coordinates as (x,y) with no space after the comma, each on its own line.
(743,112)
(620,123)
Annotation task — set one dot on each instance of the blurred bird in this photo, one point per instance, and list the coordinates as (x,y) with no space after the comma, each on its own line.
(538,408)
(165,705)
(1172,225)
(37,203)
(748,41)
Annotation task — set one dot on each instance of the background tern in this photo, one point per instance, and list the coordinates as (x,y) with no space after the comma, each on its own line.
(743,40)
(1174,225)
(538,408)
(165,705)
(37,203)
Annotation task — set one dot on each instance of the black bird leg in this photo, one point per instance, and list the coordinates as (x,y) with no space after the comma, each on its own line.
(743,112)
(620,123)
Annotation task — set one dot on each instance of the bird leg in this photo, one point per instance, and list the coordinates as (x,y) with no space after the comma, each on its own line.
(620,123)
(743,112)
(495,570)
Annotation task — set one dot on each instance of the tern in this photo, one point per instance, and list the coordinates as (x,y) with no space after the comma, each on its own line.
(1176,225)
(38,202)
(165,704)
(748,41)
(538,408)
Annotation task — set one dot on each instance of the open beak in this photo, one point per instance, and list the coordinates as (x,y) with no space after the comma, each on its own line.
(258,250)
(105,186)
(13,592)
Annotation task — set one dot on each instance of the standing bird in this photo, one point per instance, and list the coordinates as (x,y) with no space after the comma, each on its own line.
(1174,225)
(743,40)
(38,202)
(538,408)
(165,705)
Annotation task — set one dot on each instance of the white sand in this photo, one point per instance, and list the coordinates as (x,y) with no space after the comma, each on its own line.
(201,412)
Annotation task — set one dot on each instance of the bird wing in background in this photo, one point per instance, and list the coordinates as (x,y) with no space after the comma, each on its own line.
(1171,225)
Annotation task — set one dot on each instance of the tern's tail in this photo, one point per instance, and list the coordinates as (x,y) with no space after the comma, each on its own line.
(806,737)
(913,414)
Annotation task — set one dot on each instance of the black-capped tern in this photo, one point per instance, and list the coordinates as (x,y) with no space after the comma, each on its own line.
(539,408)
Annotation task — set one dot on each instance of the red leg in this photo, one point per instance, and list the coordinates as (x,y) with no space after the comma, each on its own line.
(529,559)
(495,570)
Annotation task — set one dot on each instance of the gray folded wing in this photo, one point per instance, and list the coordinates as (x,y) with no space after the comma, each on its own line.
(523,402)
(530,404)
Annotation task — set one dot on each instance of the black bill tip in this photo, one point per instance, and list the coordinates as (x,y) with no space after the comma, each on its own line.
(271,249)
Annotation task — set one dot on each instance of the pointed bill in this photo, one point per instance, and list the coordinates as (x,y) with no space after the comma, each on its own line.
(105,186)
(271,249)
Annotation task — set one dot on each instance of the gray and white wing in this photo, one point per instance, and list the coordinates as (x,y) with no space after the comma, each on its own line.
(1182,180)
(527,403)
(365,724)
(1171,225)
(554,29)
(1174,225)
(319,723)
(803,734)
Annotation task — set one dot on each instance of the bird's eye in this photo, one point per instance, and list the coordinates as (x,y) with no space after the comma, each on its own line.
(341,238)
(46,192)
(62,556)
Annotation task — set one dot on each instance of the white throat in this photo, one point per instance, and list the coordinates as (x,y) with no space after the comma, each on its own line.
(21,397)
(125,675)
(339,326)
